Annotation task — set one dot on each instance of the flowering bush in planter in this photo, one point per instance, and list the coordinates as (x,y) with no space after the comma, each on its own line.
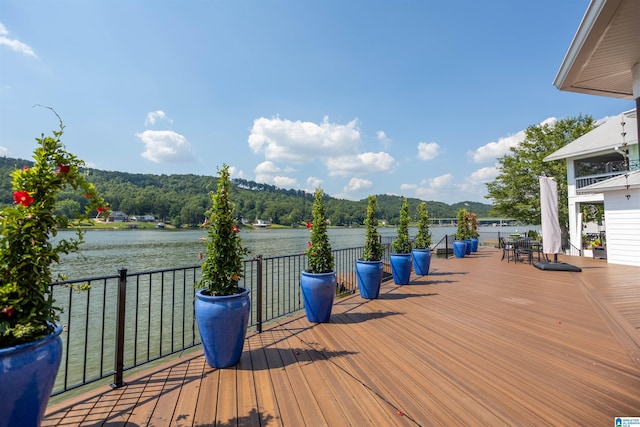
(27,307)
(223,266)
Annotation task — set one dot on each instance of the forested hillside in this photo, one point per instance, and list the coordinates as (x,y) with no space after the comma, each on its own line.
(183,199)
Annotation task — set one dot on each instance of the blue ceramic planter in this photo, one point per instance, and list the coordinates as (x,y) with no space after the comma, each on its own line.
(421,261)
(400,268)
(459,248)
(369,275)
(222,322)
(474,244)
(468,247)
(27,375)
(318,291)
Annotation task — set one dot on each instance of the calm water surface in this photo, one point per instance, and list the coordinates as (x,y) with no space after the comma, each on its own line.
(104,252)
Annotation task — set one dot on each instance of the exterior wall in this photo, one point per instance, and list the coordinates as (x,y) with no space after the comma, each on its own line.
(622,227)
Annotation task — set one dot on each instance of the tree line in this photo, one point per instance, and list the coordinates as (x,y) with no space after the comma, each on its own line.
(183,199)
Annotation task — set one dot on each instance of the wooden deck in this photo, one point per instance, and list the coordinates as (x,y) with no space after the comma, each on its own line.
(477,342)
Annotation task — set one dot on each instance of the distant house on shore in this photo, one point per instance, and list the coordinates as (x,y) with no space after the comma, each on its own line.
(260,223)
(143,218)
(118,216)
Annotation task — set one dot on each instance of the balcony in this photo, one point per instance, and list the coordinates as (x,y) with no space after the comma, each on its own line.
(603,171)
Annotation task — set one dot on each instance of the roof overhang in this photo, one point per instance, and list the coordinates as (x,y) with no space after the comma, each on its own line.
(603,51)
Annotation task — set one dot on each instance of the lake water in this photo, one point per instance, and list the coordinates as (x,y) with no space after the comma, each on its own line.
(104,252)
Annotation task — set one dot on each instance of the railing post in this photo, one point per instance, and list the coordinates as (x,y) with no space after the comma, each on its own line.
(259,295)
(119,356)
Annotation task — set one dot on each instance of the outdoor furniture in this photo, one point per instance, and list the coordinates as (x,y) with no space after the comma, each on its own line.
(523,250)
(508,250)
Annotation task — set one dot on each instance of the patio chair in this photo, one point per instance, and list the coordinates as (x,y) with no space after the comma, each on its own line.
(508,251)
(523,251)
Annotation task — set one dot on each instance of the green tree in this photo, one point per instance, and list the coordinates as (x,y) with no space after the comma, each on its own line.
(516,191)
(373,249)
(319,250)
(223,267)
(402,244)
(423,238)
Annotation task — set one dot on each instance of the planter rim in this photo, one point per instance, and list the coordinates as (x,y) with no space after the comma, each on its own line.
(200,294)
(57,330)
(401,253)
(372,262)
(422,249)
(308,273)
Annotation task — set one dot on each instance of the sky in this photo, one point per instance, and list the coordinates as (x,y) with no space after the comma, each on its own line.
(414,98)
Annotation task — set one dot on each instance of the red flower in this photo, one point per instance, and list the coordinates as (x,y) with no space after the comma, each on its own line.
(101,209)
(8,311)
(88,195)
(236,228)
(309,225)
(22,197)
(309,244)
(64,169)
(26,168)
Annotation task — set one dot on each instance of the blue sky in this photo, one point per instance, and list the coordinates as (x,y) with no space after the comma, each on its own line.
(413,98)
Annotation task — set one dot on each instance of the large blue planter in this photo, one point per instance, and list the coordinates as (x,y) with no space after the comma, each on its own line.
(27,375)
(222,322)
(459,248)
(474,244)
(318,291)
(369,275)
(421,261)
(400,268)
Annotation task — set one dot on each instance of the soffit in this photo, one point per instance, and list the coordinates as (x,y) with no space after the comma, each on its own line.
(603,51)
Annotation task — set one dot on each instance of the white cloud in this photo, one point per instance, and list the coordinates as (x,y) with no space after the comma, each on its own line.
(494,150)
(165,146)
(360,164)
(357,184)
(384,140)
(407,187)
(235,173)
(428,151)
(313,183)
(15,45)
(484,175)
(267,172)
(4,151)
(302,142)
(154,116)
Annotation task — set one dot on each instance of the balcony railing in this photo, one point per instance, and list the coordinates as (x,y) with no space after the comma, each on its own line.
(611,169)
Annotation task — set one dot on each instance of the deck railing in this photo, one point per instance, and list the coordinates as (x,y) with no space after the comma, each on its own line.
(129,319)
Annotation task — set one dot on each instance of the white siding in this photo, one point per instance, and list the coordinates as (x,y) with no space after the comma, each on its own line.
(622,218)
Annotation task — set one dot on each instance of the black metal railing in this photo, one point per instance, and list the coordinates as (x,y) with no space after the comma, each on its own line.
(606,171)
(128,319)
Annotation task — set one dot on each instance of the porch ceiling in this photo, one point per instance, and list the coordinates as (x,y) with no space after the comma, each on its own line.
(605,48)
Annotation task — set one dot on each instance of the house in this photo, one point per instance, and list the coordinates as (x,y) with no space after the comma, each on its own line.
(118,216)
(604,59)
(599,165)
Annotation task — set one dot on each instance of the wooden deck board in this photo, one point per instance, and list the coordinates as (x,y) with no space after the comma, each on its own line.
(476,342)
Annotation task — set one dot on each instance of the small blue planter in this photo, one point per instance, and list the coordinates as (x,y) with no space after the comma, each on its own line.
(318,291)
(369,275)
(474,244)
(459,248)
(222,322)
(28,373)
(421,261)
(467,249)
(400,268)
